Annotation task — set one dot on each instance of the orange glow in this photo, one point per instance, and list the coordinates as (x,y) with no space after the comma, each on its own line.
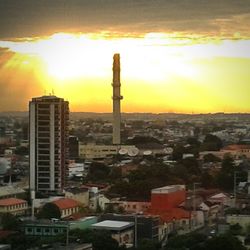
(160,73)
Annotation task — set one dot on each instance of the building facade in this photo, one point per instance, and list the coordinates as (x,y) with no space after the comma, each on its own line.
(95,151)
(67,206)
(48,140)
(13,206)
(121,231)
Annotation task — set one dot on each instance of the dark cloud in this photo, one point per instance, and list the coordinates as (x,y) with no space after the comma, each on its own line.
(41,17)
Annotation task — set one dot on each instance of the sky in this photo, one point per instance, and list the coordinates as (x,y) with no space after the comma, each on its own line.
(184,56)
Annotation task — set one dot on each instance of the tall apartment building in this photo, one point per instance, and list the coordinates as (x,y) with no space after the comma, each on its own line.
(48,140)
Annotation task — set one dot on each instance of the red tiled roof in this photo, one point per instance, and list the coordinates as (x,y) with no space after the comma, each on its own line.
(65,203)
(236,147)
(11,201)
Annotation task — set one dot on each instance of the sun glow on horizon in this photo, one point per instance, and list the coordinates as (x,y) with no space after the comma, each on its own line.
(174,74)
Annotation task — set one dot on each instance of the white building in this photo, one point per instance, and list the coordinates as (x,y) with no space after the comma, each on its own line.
(121,231)
(48,138)
(94,151)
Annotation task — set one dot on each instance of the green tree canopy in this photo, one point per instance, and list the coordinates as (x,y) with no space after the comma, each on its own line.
(102,240)
(98,172)
(225,178)
(211,158)
(188,241)
(49,210)
(224,242)
(9,221)
(148,244)
(211,143)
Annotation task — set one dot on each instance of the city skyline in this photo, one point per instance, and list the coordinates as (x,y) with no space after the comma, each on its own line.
(183,57)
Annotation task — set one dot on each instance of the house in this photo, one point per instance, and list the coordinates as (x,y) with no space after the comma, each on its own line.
(130,206)
(168,197)
(221,198)
(121,231)
(11,192)
(147,225)
(102,201)
(14,206)
(67,206)
(165,202)
(210,210)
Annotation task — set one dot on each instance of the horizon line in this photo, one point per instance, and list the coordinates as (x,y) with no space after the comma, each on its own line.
(160,113)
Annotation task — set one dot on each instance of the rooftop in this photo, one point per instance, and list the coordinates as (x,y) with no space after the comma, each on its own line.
(168,189)
(11,201)
(65,203)
(236,147)
(10,190)
(112,225)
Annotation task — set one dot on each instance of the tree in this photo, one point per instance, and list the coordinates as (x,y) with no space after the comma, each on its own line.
(98,172)
(236,229)
(148,244)
(10,222)
(211,158)
(192,165)
(207,180)
(224,242)
(116,173)
(211,143)
(109,208)
(102,240)
(190,241)
(225,177)
(178,152)
(49,210)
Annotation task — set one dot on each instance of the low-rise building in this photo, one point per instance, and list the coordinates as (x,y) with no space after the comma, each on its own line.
(45,228)
(220,198)
(147,225)
(129,206)
(10,192)
(13,206)
(67,206)
(94,151)
(121,231)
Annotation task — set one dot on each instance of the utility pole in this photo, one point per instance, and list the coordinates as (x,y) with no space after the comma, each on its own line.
(194,203)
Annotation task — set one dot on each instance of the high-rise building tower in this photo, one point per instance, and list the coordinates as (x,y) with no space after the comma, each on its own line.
(48,142)
(116,100)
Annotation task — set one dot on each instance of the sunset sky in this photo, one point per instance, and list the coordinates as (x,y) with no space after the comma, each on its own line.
(185,56)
